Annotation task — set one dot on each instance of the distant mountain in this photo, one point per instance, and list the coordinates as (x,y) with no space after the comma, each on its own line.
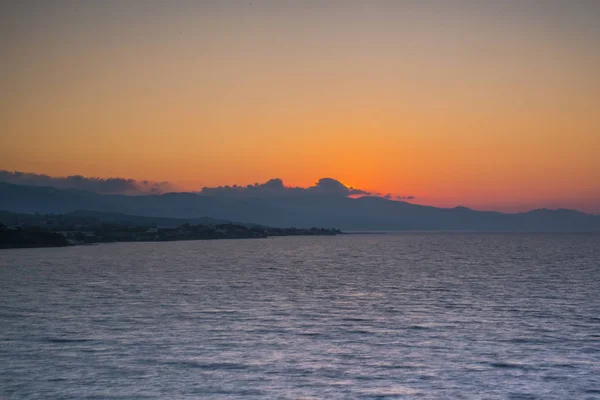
(364,213)
(85,216)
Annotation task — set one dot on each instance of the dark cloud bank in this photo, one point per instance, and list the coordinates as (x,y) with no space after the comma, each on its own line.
(271,188)
(96,185)
(276,188)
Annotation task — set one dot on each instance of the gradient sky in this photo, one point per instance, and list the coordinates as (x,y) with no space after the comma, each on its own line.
(488,104)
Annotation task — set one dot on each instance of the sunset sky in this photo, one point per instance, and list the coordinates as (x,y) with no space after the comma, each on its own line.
(487,104)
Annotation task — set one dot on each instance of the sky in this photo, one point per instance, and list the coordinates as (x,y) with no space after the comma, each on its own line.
(488,104)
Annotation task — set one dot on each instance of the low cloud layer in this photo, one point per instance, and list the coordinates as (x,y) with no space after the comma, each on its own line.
(276,188)
(97,185)
(273,188)
(390,196)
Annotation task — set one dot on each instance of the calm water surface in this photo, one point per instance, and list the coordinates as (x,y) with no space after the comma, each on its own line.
(423,316)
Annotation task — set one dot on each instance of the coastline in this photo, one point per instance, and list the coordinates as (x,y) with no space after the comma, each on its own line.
(37,237)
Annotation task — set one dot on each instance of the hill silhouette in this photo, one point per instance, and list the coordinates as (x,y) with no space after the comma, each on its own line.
(320,208)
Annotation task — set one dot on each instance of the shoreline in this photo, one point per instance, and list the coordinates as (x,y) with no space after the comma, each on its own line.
(164,240)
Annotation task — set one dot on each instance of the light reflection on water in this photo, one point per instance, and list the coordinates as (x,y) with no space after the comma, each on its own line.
(415,315)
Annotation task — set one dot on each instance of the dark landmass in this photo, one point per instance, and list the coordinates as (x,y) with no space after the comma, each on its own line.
(296,209)
(56,230)
(30,237)
(86,219)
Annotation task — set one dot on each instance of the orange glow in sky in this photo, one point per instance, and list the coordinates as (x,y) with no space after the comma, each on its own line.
(492,105)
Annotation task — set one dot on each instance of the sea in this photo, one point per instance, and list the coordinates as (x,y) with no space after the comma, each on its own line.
(359,316)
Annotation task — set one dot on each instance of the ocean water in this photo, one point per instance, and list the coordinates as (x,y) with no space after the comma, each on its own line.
(398,316)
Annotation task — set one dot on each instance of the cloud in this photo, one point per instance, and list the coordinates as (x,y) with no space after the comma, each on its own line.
(272,188)
(334,187)
(276,188)
(390,196)
(97,185)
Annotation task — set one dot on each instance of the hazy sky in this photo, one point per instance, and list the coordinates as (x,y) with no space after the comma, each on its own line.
(489,104)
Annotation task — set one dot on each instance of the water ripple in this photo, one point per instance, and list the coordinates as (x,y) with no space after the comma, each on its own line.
(399,316)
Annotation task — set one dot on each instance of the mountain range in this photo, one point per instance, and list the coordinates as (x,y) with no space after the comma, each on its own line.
(296,209)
